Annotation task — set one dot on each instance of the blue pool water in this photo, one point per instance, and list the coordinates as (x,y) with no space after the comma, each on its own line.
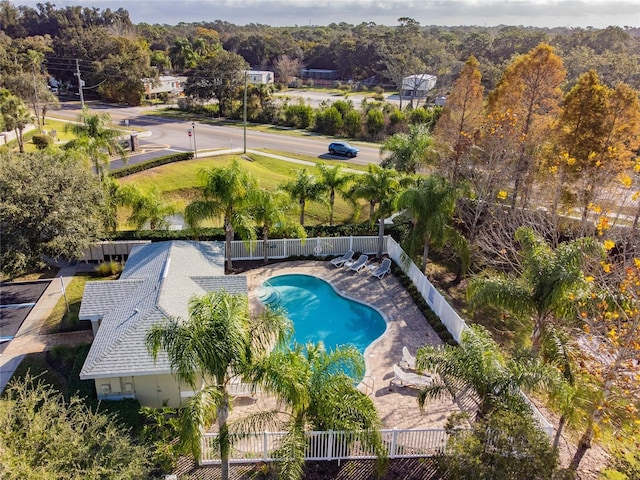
(319,314)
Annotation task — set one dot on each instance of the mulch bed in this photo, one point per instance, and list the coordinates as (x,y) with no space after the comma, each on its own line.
(399,469)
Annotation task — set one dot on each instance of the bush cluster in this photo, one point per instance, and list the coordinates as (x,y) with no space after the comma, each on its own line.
(42,141)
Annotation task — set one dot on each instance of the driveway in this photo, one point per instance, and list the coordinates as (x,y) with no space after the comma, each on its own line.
(17,299)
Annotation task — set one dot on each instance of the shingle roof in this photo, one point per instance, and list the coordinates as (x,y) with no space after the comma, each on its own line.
(157,282)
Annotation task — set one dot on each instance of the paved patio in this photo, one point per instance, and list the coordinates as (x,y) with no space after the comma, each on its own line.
(397,406)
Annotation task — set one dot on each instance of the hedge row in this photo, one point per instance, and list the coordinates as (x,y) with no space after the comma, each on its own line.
(156,162)
(361,229)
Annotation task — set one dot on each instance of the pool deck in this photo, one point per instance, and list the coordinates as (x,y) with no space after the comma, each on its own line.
(397,406)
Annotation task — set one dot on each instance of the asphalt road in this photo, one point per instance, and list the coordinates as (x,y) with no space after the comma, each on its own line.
(165,136)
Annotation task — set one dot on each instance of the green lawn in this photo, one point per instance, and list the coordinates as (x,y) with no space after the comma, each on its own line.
(180,182)
(62,321)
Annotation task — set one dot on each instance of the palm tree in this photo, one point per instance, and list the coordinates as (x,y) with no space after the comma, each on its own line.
(15,115)
(95,139)
(479,365)
(557,351)
(227,192)
(218,341)
(334,180)
(147,206)
(407,150)
(547,284)
(317,394)
(430,204)
(304,188)
(269,209)
(381,187)
(182,55)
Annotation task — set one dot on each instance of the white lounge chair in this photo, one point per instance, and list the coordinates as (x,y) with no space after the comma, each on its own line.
(409,379)
(359,264)
(383,269)
(408,361)
(340,261)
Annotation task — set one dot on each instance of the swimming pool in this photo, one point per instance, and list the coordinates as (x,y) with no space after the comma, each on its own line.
(319,313)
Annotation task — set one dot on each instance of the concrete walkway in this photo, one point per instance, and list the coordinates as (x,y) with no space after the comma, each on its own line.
(28,339)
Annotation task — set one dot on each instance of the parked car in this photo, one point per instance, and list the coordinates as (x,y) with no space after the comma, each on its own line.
(343,148)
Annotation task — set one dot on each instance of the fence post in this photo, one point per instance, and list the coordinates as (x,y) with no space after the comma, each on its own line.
(285,247)
(265,444)
(394,444)
(330,446)
(350,242)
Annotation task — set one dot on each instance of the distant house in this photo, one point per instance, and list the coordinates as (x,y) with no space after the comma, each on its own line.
(157,282)
(164,84)
(257,77)
(320,76)
(417,86)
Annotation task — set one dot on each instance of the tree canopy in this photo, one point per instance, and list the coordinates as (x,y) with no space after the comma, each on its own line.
(44,436)
(51,205)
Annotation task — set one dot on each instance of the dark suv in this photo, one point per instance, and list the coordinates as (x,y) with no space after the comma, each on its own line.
(343,148)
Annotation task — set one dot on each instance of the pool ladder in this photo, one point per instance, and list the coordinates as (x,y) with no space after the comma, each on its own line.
(368,385)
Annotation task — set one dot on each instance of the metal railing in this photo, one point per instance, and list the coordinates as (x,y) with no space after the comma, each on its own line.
(329,445)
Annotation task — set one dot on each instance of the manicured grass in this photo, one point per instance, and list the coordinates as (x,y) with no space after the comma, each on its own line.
(180,182)
(62,321)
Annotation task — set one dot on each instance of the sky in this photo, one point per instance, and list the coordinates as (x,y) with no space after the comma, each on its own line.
(537,13)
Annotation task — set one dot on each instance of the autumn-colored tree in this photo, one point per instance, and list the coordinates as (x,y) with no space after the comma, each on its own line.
(612,328)
(460,118)
(597,137)
(530,87)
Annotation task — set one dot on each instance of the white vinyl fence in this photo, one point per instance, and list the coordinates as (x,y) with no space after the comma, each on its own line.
(331,445)
(302,247)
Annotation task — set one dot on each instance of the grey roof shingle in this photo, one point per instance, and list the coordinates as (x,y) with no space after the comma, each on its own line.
(157,282)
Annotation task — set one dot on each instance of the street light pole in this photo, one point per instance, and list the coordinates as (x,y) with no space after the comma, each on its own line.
(195,148)
(244,115)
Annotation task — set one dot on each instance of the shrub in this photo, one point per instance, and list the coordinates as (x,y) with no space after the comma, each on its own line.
(42,141)
(375,123)
(298,116)
(106,269)
(352,123)
(329,121)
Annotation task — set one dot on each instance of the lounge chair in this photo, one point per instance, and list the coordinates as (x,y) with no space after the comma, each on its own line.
(340,261)
(359,264)
(383,269)
(409,379)
(408,361)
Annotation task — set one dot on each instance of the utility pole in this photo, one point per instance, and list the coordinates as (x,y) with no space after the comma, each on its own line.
(195,148)
(79,83)
(35,93)
(244,112)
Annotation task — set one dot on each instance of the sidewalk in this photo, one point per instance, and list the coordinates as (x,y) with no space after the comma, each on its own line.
(28,339)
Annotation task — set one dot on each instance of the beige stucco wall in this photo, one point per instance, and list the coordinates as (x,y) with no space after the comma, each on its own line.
(150,390)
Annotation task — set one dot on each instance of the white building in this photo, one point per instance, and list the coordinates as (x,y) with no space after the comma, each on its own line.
(417,86)
(164,84)
(257,77)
